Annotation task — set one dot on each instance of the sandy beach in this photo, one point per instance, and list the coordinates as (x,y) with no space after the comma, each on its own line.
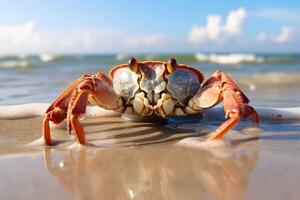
(150,159)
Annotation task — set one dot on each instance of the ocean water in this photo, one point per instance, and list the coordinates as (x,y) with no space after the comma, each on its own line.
(269,80)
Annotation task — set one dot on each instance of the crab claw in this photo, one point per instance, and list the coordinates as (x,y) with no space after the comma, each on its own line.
(72,103)
(221,87)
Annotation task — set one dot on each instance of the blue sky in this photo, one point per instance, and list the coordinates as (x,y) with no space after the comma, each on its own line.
(149,26)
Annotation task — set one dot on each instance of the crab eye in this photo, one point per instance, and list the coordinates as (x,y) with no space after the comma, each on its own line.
(171,65)
(133,65)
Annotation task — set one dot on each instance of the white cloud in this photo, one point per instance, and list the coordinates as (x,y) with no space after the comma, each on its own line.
(19,36)
(197,34)
(235,21)
(215,31)
(285,35)
(25,38)
(213,27)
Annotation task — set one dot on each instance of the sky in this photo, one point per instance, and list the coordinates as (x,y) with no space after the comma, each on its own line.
(33,26)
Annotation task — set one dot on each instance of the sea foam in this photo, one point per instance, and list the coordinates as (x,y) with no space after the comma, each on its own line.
(229,58)
(270,79)
(47,57)
(38,109)
(14,64)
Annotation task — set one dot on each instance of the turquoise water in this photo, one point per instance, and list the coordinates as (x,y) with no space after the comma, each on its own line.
(268,79)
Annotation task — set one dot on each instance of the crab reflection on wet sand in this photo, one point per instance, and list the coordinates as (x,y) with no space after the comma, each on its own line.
(148,173)
(140,160)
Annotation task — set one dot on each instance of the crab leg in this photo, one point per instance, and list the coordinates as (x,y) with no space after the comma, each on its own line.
(72,103)
(221,87)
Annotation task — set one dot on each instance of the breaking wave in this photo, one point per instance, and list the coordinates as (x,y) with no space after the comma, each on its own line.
(69,58)
(14,64)
(270,79)
(247,58)
(47,57)
(229,58)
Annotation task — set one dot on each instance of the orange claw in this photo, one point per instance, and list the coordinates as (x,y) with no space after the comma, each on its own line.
(71,104)
(221,87)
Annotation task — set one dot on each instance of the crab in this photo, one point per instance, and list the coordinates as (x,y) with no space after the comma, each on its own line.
(150,88)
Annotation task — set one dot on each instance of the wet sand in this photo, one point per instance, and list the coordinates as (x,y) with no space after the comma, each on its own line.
(149,160)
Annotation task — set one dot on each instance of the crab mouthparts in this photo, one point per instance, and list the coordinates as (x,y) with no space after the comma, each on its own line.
(152,98)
